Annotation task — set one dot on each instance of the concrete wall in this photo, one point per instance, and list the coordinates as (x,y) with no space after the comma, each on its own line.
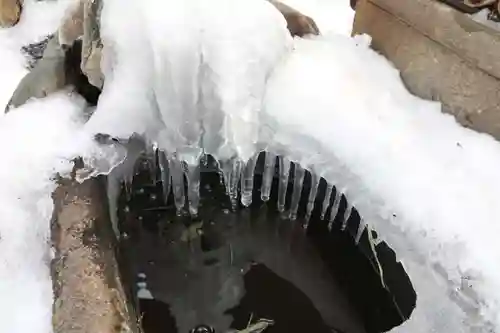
(442,55)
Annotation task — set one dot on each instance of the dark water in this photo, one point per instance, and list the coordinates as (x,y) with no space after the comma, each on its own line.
(251,263)
(267,295)
(270,296)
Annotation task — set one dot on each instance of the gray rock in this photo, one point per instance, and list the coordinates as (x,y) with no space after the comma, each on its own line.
(92,43)
(84,22)
(47,77)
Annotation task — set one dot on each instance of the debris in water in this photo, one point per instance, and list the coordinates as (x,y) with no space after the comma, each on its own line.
(260,326)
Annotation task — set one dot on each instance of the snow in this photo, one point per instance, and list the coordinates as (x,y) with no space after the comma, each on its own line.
(175,77)
(31,142)
(32,147)
(426,184)
(482,17)
(39,19)
(421,180)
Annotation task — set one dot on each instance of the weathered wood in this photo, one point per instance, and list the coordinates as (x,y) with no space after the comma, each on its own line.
(442,55)
(88,290)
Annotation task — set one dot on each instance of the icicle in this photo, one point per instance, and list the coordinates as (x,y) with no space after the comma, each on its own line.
(347,214)
(361,229)
(247,182)
(151,161)
(284,165)
(113,192)
(165,174)
(128,179)
(298,181)
(177,183)
(312,195)
(326,201)
(193,177)
(154,158)
(267,176)
(226,170)
(233,185)
(191,157)
(125,171)
(335,208)
(231,170)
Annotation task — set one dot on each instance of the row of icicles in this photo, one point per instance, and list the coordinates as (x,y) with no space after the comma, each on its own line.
(237,176)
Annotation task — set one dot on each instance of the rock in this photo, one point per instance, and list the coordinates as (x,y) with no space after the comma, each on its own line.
(298,23)
(92,43)
(34,51)
(46,77)
(72,25)
(83,22)
(88,290)
(10,12)
(441,53)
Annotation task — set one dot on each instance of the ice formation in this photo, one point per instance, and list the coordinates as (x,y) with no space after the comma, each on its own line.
(224,99)
(317,105)
(329,105)
(192,85)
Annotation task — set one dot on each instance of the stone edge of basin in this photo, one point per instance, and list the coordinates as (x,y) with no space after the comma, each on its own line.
(473,41)
(89,294)
(441,53)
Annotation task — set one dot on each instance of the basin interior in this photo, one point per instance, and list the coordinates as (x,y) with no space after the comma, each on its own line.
(227,268)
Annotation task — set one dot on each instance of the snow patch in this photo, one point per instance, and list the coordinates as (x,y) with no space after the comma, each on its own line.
(35,145)
(427,185)
(38,20)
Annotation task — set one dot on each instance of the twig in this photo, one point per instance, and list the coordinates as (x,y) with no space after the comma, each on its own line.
(260,326)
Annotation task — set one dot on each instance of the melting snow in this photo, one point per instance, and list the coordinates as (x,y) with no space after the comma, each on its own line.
(427,185)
